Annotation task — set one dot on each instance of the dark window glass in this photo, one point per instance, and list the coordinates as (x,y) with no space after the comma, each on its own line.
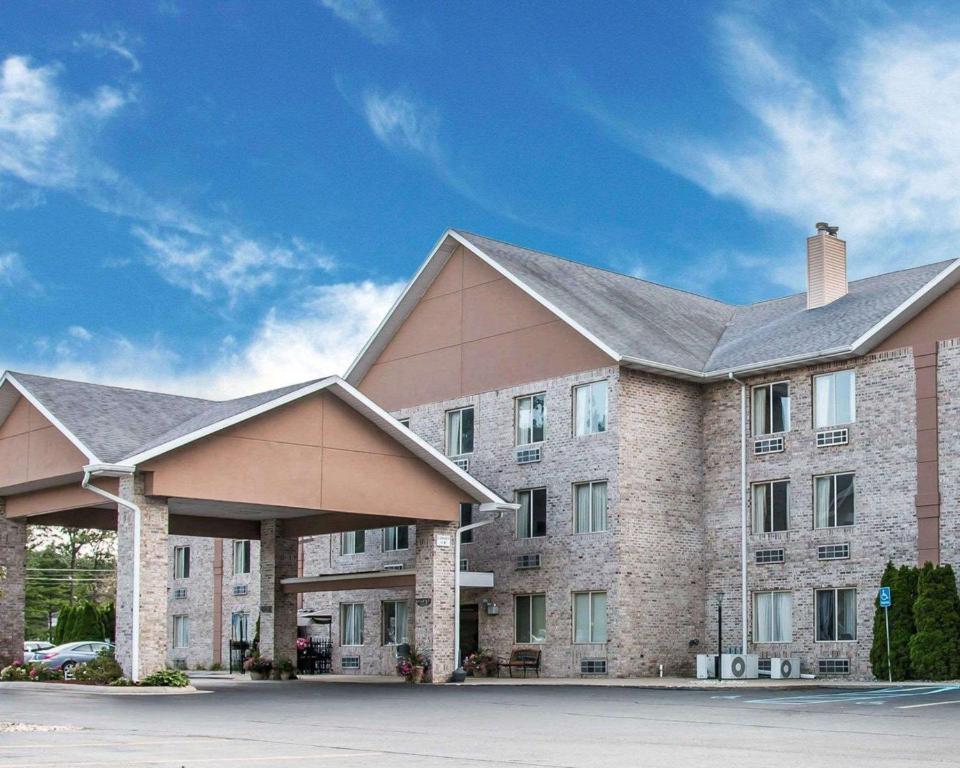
(826,620)
(466,431)
(466,518)
(780,401)
(844,499)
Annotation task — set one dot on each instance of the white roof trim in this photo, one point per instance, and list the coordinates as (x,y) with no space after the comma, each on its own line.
(362,364)
(31,398)
(909,309)
(359,402)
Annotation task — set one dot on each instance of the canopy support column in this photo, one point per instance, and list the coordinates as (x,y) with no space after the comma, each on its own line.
(278,609)
(433,617)
(13,562)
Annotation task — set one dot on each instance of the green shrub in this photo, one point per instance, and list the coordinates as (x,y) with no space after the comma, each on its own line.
(16,671)
(935,648)
(167,678)
(903,588)
(38,673)
(103,670)
(878,652)
(82,621)
(121,682)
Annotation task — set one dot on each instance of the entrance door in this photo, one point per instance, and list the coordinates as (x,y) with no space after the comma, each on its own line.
(469,629)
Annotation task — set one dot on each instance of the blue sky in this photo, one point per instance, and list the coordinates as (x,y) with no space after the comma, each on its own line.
(223,197)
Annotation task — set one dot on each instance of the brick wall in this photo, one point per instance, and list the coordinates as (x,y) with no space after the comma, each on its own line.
(13,558)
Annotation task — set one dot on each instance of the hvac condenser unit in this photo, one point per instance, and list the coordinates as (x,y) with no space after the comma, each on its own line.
(739,666)
(781,669)
(706,666)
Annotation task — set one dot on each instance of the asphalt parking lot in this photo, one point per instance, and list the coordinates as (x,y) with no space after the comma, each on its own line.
(305,723)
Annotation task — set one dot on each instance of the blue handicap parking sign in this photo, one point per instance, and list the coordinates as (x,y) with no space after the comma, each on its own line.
(886,599)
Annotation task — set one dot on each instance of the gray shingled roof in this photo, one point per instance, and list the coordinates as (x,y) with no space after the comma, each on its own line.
(669,327)
(114,422)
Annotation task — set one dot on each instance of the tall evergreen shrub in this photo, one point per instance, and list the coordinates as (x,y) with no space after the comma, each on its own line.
(935,648)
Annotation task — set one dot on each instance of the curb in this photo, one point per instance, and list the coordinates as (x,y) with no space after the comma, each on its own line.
(99,690)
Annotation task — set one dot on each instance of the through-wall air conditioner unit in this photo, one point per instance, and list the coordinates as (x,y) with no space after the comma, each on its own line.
(180,593)
(239,589)
(706,666)
(464,464)
(528,454)
(830,437)
(393,567)
(784,669)
(739,666)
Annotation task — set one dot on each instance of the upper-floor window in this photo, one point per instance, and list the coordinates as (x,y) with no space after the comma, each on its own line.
(351,624)
(530,419)
(241,556)
(590,408)
(833,502)
(466,518)
(836,614)
(589,617)
(771,506)
(532,515)
(352,542)
(773,617)
(396,537)
(405,422)
(530,618)
(590,507)
(834,399)
(394,622)
(771,408)
(460,431)
(181,562)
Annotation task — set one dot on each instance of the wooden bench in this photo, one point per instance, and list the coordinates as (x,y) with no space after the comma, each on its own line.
(522,658)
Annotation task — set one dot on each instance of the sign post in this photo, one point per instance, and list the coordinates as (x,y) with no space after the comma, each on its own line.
(886,600)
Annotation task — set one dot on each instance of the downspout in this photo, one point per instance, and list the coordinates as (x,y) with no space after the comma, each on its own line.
(743,511)
(457,664)
(107,471)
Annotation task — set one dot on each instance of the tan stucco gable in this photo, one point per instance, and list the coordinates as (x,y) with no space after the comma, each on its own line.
(314,453)
(473,331)
(940,320)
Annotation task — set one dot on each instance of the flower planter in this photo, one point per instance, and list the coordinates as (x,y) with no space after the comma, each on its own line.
(256,675)
(286,675)
(417,675)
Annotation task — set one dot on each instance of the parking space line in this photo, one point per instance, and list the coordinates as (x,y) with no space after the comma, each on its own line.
(191,760)
(929,704)
(878,695)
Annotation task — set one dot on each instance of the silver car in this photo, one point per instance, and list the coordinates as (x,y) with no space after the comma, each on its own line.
(68,655)
(30,648)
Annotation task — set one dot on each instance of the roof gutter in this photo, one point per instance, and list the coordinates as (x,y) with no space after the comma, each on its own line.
(116,470)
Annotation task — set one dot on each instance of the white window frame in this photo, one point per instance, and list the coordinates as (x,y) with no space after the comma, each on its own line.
(181,562)
(242,555)
(353,537)
(590,594)
(516,615)
(753,505)
(401,628)
(836,614)
(457,448)
(592,387)
(529,513)
(394,531)
(769,593)
(518,430)
(576,507)
(830,422)
(181,631)
(769,414)
(853,486)
(346,608)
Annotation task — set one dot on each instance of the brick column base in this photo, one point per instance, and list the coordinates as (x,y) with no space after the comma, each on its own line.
(154,560)
(278,610)
(13,562)
(433,614)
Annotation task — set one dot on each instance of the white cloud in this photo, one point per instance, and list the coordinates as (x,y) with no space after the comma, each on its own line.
(400,122)
(366,16)
(79,332)
(319,336)
(117,42)
(14,274)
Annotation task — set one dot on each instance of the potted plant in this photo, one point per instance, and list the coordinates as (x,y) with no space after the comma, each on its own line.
(481,663)
(258,667)
(413,666)
(287,669)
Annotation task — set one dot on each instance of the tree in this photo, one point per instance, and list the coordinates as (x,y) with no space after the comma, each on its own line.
(878,653)
(903,625)
(935,648)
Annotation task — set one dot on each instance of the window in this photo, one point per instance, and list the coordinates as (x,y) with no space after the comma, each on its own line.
(770,506)
(589,617)
(181,562)
(405,422)
(530,413)
(530,618)
(590,408)
(466,518)
(351,624)
(240,626)
(590,507)
(833,501)
(532,515)
(353,542)
(241,556)
(181,632)
(460,431)
(836,614)
(771,408)
(773,617)
(834,399)
(397,537)
(394,622)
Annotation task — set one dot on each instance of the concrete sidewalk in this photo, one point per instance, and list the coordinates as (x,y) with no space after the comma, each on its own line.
(679,683)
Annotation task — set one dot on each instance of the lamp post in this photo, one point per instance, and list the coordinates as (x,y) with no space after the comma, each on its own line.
(718,668)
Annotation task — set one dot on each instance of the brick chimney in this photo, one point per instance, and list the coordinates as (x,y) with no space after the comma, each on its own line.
(826,266)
